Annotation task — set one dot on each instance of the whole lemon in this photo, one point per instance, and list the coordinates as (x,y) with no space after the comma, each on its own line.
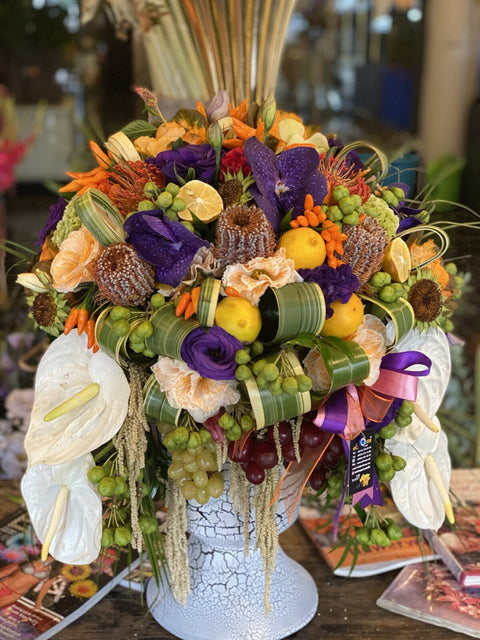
(346,318)
(239,317)
(304,246)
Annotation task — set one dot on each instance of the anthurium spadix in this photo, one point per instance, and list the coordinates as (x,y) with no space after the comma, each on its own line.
(65,510)
(81,400)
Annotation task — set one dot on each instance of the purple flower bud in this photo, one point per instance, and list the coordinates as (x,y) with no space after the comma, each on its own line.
(218,107)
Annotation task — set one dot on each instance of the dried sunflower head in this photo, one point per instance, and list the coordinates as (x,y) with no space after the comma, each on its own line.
(49,310)
(426,298)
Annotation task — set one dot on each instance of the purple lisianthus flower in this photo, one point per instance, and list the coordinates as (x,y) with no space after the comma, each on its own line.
(175,163)
(211,352)
(336,284)
(283,181)
(54,217)
(351,159)
(166,244)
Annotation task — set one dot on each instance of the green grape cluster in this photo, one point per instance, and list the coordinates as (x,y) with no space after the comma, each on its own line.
(116,524)
(195,472)
(385,289)
(379,533)
(182,438)
(385,216)
(119,317)
(166,199)
(273,376)
(346,207)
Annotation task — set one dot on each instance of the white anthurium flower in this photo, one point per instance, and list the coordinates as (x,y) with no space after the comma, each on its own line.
(433,344)
(84,396)
(420,490)
(65,510)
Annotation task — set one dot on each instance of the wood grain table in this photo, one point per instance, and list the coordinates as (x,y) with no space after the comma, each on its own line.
(346,607)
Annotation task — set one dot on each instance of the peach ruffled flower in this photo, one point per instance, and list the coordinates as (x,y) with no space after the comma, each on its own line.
(186,389)
(73,264)
(255,276)
(370,335)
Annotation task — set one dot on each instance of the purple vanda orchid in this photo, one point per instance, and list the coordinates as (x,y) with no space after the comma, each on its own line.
(283,181)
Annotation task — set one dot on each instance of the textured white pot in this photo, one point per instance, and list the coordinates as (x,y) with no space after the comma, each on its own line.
(226,601)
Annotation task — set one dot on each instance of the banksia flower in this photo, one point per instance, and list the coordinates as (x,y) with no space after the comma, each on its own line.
(364,248)
(122,276)
(243,233)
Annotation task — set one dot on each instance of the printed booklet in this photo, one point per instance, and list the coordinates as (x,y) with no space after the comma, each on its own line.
(428,592)
(38,599)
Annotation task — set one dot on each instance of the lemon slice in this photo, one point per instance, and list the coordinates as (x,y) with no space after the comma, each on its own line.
(397,261)
(202,200)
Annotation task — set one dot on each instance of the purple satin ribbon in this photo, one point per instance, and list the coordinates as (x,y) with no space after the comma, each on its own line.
(396,379)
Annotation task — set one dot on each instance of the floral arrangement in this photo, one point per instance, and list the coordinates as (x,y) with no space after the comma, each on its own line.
(231,285)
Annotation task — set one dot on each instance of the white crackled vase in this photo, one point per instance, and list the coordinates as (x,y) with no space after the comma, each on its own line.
(226,601)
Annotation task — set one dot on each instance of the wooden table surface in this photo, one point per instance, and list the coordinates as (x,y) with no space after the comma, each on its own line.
(346,607)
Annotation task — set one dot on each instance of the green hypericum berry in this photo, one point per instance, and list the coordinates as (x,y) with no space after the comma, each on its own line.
(388,196)
(406,408)
(339,192)
(398,462)
(357,201)
(394,531)
(258,367)
(181,435)
(388,431)
(275,387)
(172,188)
(205,435)
(178,204)
(304,382)
(188,225)
(119,313)
(242,356)
(246,422)
(194,440)
(137,347)
(351,218)
(347,205)
(107,539)
(234,432)
(387,294)
(290,385)
(120,486)
(383,461)
(386,475)
(242,372)
(398,289)
(402,421)
(362,534)
(262,382)
(164,200)
(157,300)
(271,372)
(106,486)
(256,348)
(380,279)
(226,421)
(334,213)
(148,354)
(122,536)
(171,214)
(151,190)
(145,329)
(95,474)
(379,537)
(145,205)
(121,327)
(147,524)
(398,193)
(451,268)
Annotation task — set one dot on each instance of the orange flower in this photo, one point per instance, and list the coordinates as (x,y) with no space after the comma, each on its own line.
(424,251)
(97,177)
(73,264)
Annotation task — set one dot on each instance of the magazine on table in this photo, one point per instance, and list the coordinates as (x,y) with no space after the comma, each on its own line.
(39,598)
(428,592)
(459,546)
(319,527)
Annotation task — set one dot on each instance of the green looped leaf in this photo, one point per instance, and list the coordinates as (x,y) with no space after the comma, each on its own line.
(346,362)
(400,312)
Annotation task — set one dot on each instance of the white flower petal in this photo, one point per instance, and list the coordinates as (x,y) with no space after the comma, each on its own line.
(67,367)
(78,535)
(413,492)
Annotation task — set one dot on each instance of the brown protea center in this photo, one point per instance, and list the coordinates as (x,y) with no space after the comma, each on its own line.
(122,276)
(425,296)
(364,248)
(44,310)
(231,192)
(242,233)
